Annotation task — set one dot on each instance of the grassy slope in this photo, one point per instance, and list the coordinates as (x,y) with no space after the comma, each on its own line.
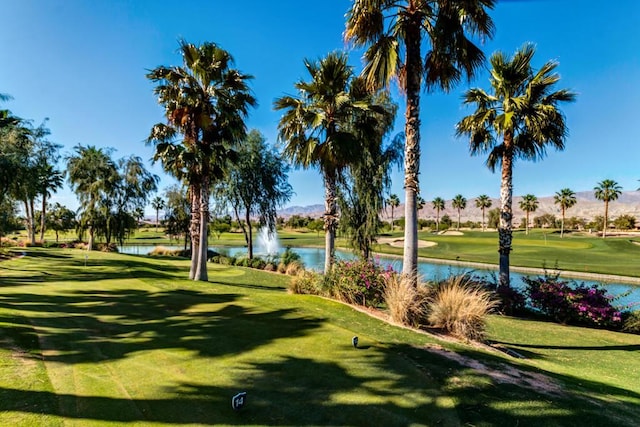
(128,340)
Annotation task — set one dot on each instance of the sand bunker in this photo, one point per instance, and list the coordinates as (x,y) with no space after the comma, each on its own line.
(398,242)
(452,233)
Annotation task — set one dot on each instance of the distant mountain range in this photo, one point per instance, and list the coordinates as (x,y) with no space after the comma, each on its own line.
(587,207)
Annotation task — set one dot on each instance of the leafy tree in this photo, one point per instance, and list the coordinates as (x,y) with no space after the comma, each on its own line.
(459,203)
(158,204)
(219,227)
(206,101)
(446,221)
(566,198)
(257,185)
(317,129)
(520,118)
(421,43)
(316,225)
(494,218)
(625,222)
(177,212)
(438,205)
(528,204)
(575,223)
(93,176)
(61,218)
(607,191)
(483,202)
(545,220)
(393,201)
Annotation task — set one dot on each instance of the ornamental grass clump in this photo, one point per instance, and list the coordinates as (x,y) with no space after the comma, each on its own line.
(406,304)
(306,282)
(573,303)
(459,307)
(359,282)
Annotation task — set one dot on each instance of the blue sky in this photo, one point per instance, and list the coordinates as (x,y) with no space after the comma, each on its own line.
(82,64)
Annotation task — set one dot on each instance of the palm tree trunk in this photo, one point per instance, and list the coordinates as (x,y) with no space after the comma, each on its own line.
(562,225)
(194,229)
(413,74)
(484,228)
(506,215)
(526,225)
(249,234)
(606,218)
(330,219)
(43,215)
(437,220)
(392,218)
(201,267)
(458,228)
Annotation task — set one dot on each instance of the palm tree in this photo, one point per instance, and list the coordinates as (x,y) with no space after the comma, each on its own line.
(157,204)
(394,202)
(49,180)
(317,130)
(566,198)
(419,42)
(528,204)
(438,205)
(518,120)
(420,202)
(483,202)
(206,101)
(459,203)
(92,175)
(607,191)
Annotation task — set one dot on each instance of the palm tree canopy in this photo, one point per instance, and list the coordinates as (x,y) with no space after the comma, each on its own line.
(438,203)
(393,200)
(459,202)
(440,28)
(607,190)
(529,203)
(483,201)
(566,198)
(317,123)
(520,118)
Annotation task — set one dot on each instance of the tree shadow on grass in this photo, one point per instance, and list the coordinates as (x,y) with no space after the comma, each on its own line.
(93,326)
(516,346)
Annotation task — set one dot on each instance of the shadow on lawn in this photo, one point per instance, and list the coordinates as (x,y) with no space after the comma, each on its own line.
(516,346)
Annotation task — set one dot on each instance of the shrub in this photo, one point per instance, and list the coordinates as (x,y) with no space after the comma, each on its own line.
(257,263)
(164,251)
(357,282)
(460,307)
(406,303)
(293,268)
(282,268)
(60,245)
(572,303)
(270,267)
(306,282)
(632,322)
(107,247)
(289,256)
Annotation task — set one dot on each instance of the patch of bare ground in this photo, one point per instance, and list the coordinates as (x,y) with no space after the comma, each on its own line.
(502,373)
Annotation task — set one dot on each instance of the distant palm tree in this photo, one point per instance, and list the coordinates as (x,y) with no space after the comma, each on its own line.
(158,204)
(483,202)
(317,129)
(528,204)
(607,191)
(438,205)
(394,202)
(566,198)
(518,120)
(420,42)
(420,202)
(459,203)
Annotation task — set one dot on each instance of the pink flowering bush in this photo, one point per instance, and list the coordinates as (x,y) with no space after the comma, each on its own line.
(573,303)
(358,282)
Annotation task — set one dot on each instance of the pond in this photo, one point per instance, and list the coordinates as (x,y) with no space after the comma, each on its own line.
(313,258)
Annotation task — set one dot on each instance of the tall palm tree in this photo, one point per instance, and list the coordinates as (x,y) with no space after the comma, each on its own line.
(519,119)
(607,191)
(528,204)
(206,101)
(421,43)
(157,204)
(438,205)
(566,198)
(394,202)
(92,174)
(483,202)
(459,203)
(49,180)
(317,130)
(420,202)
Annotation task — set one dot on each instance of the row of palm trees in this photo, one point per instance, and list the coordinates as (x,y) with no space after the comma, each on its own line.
(421,45)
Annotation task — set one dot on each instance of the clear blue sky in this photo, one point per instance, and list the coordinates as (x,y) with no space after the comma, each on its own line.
(82,64)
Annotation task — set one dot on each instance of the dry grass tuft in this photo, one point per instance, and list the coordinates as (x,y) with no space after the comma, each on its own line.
(305,282)
(407,304)
(460,308)
(294,268)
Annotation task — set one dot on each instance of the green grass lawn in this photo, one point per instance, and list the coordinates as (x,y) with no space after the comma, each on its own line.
(128,340)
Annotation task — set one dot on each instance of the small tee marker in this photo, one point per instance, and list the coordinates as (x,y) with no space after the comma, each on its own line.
(238,401)
(354,341)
